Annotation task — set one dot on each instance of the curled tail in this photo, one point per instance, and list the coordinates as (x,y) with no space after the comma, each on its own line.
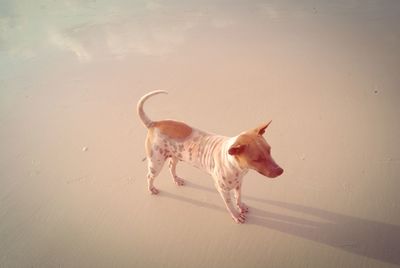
(146,121)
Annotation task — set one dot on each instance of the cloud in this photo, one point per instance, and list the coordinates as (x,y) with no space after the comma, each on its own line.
(152,5)
(271,12)
(91,30)
(155,33)
(222,23)
(68,43)
(152,42)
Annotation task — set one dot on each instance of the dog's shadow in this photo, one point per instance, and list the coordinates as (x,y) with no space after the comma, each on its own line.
(368,238)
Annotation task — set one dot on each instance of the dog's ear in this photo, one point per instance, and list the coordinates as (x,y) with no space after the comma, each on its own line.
(261,129)
(236,149)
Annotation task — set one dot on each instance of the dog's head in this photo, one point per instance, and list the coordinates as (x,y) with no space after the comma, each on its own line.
(252,151)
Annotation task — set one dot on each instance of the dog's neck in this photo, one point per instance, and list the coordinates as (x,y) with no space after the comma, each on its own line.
(213,152)
(230,161)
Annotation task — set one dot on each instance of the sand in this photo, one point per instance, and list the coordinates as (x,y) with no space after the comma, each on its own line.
(72,181)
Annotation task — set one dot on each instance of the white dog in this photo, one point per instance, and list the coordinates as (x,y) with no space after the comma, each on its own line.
(227,159)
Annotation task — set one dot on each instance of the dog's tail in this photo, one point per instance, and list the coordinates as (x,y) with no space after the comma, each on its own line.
(146,121)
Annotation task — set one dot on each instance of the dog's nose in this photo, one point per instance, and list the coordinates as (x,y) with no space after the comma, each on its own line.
(279,171)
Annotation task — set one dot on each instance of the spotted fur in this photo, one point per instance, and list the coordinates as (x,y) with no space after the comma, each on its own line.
(227,159)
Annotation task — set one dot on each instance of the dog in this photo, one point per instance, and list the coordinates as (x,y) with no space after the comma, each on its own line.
(226,159)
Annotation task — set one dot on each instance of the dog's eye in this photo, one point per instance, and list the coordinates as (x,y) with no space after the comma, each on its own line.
(260,159)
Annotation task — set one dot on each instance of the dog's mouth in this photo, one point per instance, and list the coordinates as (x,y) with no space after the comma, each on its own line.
(269,176)
(272,174)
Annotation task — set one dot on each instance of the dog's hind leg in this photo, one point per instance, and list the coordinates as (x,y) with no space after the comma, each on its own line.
(155,161)
(154,166)
(172,168)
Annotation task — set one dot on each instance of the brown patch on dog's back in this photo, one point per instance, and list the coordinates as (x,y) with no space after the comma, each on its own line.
(173,129)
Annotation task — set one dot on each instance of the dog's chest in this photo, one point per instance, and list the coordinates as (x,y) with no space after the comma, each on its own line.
(230,180)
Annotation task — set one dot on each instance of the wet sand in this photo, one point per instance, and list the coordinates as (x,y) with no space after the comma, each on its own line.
(72,181)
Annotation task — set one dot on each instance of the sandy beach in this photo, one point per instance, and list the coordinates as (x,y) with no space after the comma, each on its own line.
(73,190)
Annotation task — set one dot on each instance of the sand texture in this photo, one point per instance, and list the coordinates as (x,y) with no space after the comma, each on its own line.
(72,180)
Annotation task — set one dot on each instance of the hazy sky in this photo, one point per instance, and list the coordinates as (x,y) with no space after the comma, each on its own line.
(98,30)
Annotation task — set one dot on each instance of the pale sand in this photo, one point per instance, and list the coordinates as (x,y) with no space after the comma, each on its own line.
(72,183)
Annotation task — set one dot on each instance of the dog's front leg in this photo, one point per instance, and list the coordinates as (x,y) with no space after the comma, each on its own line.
(226,196)
(238,195)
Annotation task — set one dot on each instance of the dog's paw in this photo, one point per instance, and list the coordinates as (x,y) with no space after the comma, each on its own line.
(179,181)
(243,208)
(154,190)
(240,218)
